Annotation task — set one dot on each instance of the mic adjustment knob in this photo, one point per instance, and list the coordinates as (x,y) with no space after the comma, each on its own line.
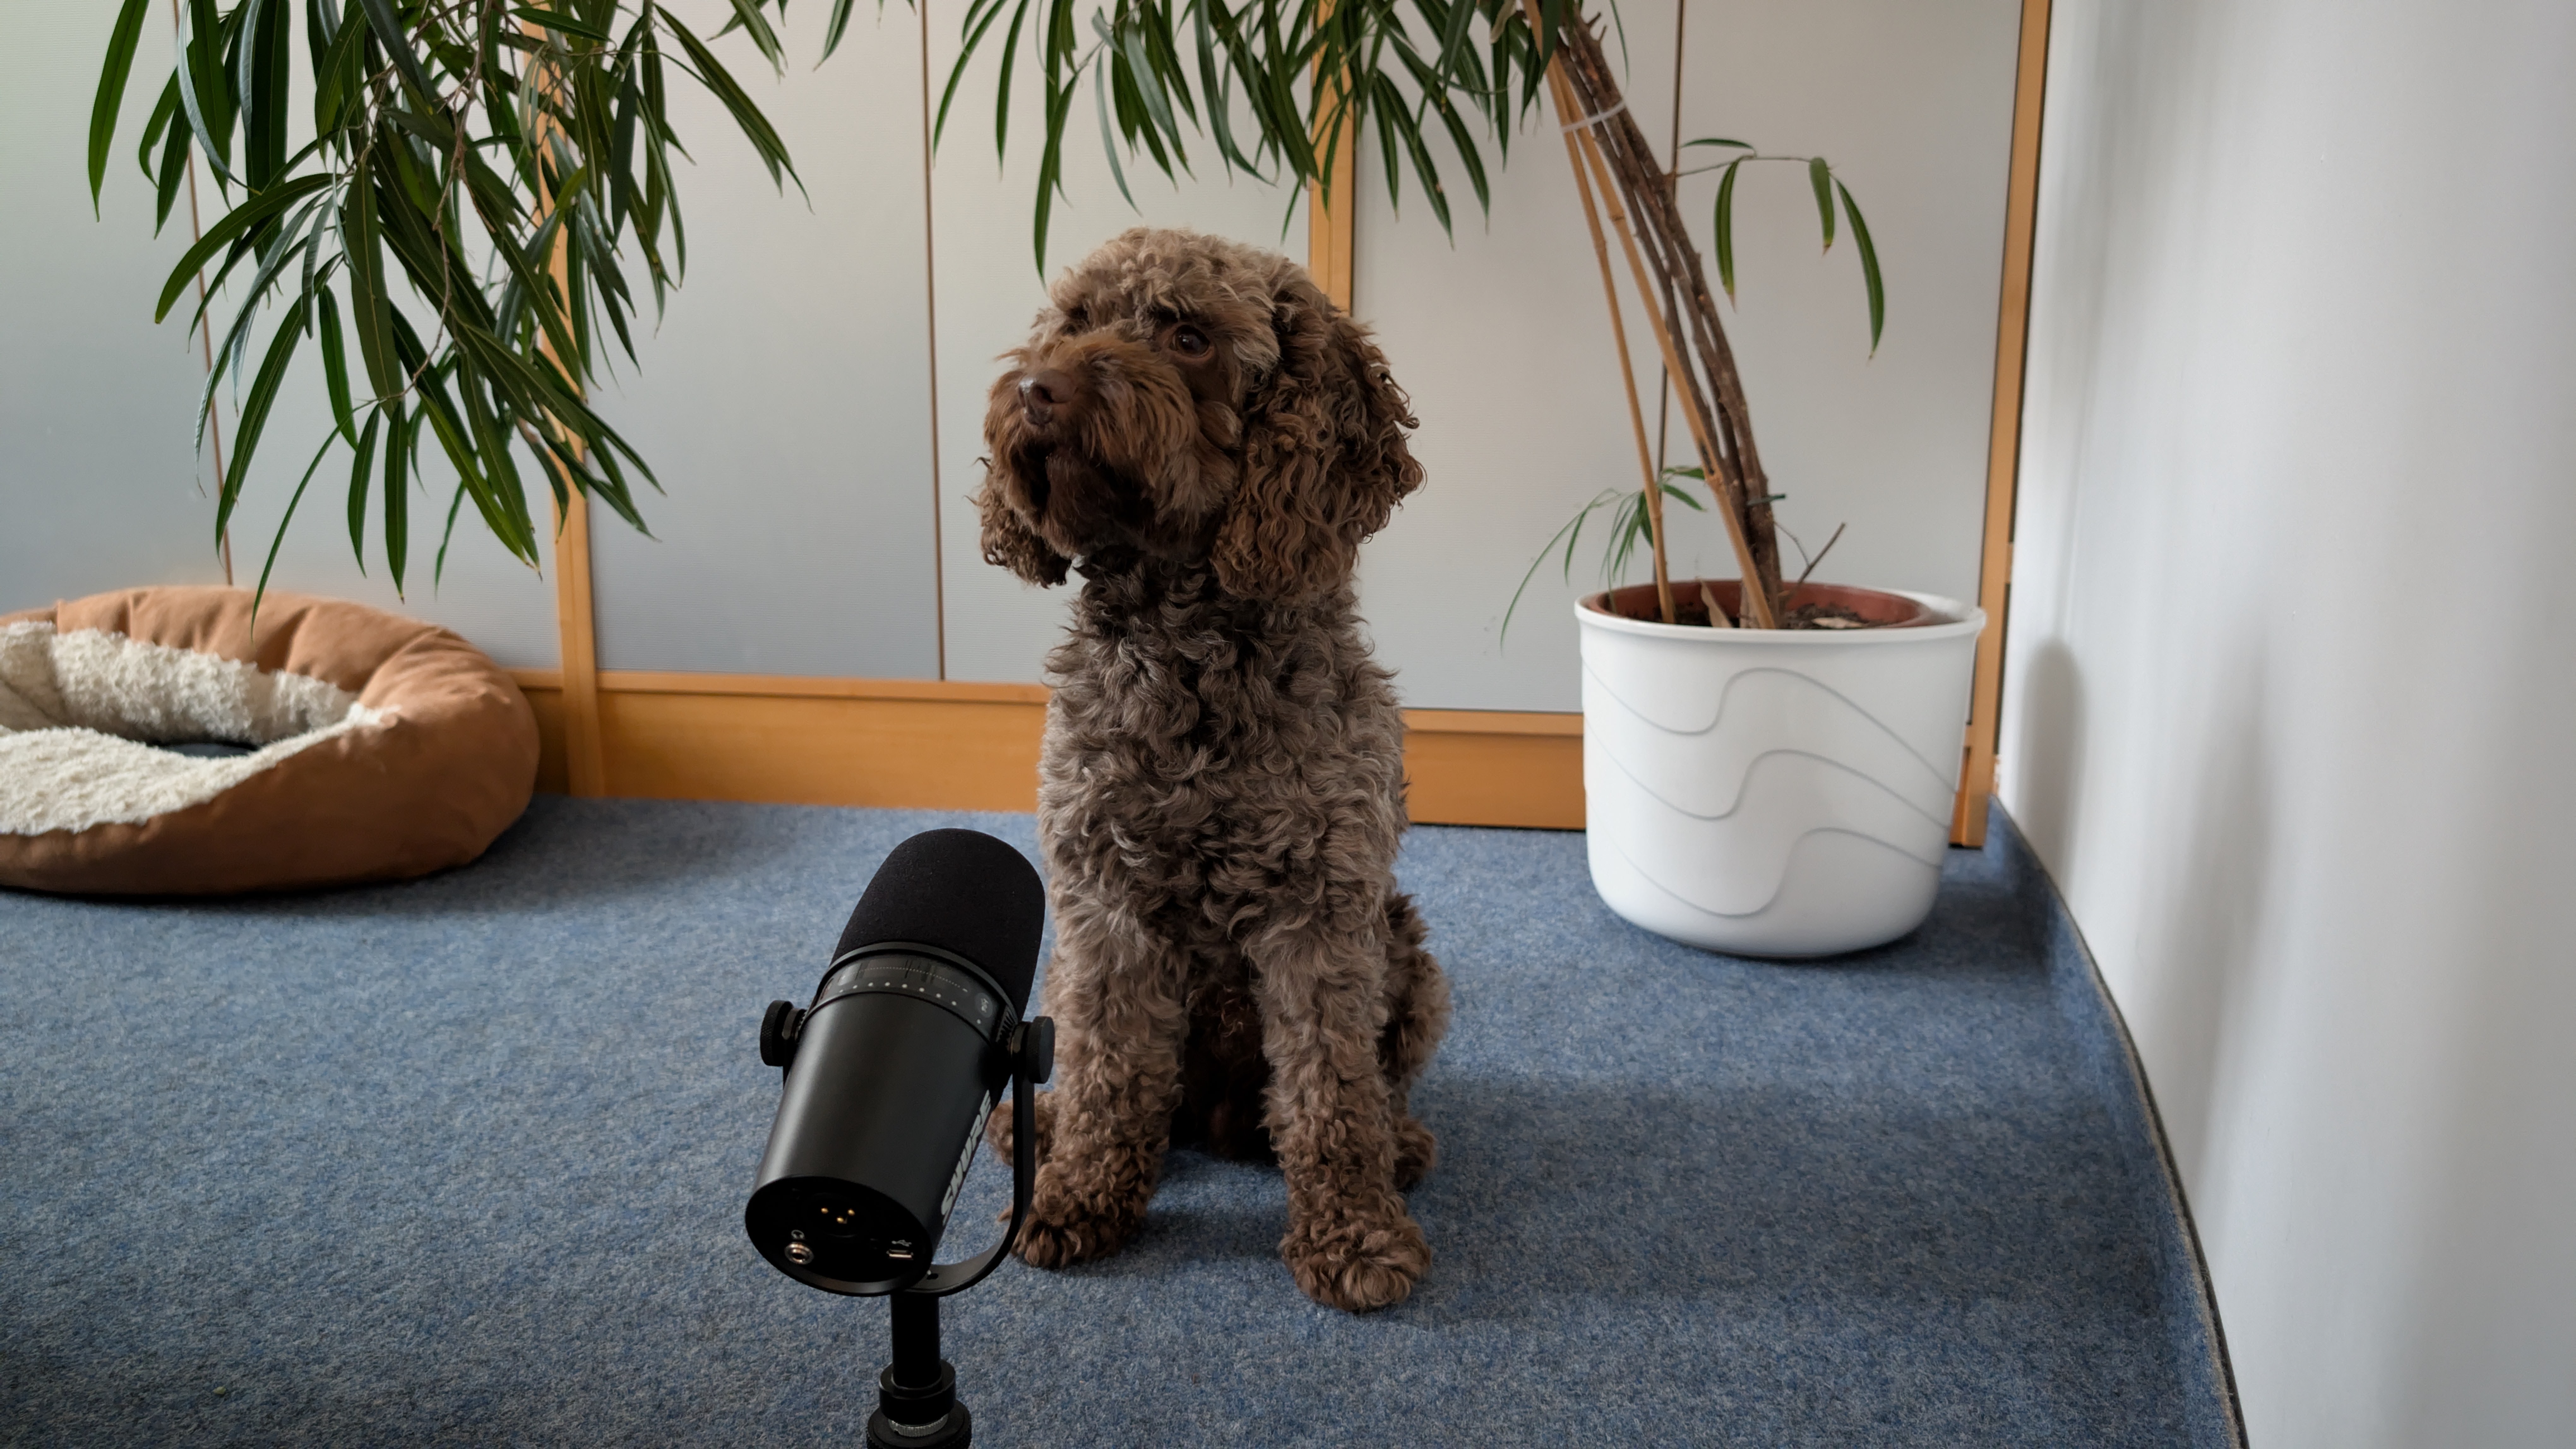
(779,1028)
(1033,1047)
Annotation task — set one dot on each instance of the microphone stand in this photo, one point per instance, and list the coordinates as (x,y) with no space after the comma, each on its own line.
(917,1405)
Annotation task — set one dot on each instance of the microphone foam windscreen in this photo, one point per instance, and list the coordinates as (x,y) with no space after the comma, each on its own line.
(962,891)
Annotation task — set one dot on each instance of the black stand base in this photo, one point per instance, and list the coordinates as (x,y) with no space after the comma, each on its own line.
(954,1432)
(917,1404)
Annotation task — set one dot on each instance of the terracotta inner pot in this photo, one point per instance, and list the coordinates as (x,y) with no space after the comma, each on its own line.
(1881,610)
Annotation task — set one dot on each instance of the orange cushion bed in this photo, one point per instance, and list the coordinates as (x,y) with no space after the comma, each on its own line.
(382,747)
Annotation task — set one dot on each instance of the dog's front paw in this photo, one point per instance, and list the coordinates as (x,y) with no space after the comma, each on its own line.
(1358,1263)
(1064,1228)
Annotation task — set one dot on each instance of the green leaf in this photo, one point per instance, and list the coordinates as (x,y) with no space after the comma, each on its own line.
(279,538)
(973,31)
(261,83)
(398,444)
(1051,166)
(1460,141)
(1425,173)
(360,471)
(1219,96)
(1149,84)
(174,171)
(446,536)
(254,417)
(1108,137)
(335,368)
(755,127)
(111,93)
(1002,88)
(1821,178)
(337,75)
(280,248)
(563,22)
(1453,37)
(389,33)
(1726,229)
(1718,141)
(153,131)
(840,22)
(621,157)
(747,14)
(1389,148)
(321,27)
(1570,533)
(235,223)
(367,289)
(484,465)
(507,511)
(542,297)
(200,73)
(440,136)
(1869,274)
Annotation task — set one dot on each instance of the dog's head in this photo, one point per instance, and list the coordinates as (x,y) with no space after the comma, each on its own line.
(1194,399)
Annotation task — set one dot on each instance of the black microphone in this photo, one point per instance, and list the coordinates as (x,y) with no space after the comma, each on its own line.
(913,1033)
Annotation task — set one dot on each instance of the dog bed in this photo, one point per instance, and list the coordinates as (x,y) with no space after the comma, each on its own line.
(365,746)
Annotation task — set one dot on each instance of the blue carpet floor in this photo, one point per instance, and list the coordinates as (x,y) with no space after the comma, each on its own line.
(463,1161)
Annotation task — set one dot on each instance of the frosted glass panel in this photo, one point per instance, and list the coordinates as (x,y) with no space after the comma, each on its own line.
(989,289)
(785,399)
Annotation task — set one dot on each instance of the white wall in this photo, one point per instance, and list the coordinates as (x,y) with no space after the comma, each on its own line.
(2290,674)
(65,477)
(786,400)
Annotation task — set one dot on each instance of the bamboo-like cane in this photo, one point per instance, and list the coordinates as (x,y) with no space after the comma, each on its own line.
(1628,379)
(1756,604)
(1676,262)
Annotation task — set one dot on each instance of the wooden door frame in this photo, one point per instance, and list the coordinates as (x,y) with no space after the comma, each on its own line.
(2003,438)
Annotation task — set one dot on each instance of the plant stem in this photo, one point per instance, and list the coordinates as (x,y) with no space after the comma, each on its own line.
(1758,602)
(1724,431)
(1628,378)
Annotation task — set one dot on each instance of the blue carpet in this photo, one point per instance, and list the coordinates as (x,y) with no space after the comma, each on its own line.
(463,1161)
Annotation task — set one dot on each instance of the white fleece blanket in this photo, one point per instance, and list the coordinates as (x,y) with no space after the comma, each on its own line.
(80,713)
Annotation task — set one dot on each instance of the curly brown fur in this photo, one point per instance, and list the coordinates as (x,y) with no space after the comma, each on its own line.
(1206,439)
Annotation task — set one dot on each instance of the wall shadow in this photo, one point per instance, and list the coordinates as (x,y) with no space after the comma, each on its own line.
(2049,753)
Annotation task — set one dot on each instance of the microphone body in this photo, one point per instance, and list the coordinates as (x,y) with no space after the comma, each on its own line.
(891,1071)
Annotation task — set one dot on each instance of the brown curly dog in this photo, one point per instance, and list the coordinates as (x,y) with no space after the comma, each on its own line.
(1206,439)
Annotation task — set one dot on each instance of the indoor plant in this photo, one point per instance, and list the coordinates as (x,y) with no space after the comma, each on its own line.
(494,169)
(1768,766)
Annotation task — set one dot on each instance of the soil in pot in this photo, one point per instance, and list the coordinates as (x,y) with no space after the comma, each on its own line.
(1810,606)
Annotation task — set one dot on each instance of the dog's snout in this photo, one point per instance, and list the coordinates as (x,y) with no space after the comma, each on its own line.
(1046,392)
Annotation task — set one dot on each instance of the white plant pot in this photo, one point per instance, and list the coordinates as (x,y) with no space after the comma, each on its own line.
(1769,792)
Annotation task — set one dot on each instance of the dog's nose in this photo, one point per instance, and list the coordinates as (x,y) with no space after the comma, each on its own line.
(1043,392)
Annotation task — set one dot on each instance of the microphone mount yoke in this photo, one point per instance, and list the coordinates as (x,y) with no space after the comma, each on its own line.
(917,1405)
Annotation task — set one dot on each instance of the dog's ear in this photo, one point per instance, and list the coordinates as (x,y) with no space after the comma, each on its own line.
(1010,542)
(1324,456)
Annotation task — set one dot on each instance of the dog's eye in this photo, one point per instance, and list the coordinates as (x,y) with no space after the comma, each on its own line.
(1189,341)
